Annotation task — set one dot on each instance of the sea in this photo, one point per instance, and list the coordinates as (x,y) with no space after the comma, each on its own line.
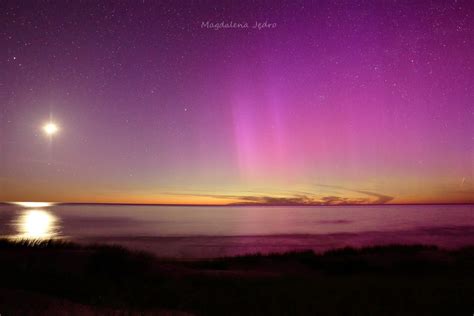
(216,231)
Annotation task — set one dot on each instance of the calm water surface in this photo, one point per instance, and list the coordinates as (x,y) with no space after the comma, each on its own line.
(216,231)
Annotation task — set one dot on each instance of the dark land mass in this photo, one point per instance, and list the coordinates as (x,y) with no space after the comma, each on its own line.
(60,278)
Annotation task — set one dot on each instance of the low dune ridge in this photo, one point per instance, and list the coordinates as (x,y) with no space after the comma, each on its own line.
(56,277)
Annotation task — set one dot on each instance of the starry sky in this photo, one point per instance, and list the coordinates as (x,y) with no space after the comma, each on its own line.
(177,102)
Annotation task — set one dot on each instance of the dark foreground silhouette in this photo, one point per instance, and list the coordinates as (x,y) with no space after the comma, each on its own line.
(58,278)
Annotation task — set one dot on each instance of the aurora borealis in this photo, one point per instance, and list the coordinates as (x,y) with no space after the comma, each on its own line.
(342,102)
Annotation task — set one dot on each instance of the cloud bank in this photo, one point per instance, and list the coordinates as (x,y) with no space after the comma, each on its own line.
(303,198)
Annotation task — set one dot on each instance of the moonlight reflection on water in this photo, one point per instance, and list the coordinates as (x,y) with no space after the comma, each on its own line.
(33,204)
(36,225)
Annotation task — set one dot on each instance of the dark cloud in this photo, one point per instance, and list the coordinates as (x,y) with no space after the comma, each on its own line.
(305,200)
(381,198)
(302,198)
(293,200)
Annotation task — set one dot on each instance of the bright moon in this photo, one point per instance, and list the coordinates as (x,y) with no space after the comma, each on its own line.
(50,128)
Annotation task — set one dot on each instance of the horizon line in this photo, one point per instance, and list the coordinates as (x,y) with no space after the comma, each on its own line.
(244,204)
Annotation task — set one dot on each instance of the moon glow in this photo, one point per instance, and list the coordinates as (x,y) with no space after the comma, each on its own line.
(50,128)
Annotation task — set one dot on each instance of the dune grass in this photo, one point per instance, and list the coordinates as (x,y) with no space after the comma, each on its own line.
(385,280)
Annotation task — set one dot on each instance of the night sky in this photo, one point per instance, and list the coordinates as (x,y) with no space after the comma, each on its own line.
(333,102)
